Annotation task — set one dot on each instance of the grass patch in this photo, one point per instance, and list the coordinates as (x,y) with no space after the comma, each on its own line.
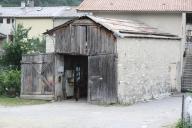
(179,124)
(6,101)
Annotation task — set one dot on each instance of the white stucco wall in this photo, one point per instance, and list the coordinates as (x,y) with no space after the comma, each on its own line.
(166,22)
(147,68)
(38,25)
(60,21)
(50,43)
(6,28)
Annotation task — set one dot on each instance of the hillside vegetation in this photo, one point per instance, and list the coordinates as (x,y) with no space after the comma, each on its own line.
(10,3)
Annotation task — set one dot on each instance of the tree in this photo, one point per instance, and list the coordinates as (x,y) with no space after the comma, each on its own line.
(10,73)
(19,45)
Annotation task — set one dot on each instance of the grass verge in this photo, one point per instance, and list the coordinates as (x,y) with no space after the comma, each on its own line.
(6,101)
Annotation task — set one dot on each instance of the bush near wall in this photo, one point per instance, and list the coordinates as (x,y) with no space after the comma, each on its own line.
(10,82)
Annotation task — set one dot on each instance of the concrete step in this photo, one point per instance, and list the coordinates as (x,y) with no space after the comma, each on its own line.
(186,73)
(186,83)
(187,69)
(187,78)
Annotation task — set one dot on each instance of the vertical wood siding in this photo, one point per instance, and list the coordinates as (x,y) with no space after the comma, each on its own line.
(102,79)
(85,39)
(37,74)
(82,38)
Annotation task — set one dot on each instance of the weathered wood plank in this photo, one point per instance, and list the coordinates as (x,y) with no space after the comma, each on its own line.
(85,39)
(102,79)
(38,77)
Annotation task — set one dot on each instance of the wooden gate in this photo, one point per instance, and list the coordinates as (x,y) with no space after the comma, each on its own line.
(38,75)
(102,79)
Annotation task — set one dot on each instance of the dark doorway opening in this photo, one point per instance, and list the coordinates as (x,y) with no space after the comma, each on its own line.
(75,77)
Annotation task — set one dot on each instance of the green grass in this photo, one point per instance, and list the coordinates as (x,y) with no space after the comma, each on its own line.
(179,124)
(6,101)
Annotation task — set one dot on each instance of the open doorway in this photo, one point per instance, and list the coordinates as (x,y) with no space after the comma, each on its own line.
(75,79)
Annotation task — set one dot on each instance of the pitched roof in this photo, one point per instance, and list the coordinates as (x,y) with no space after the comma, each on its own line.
(136,5)
(123,28)
(62,11)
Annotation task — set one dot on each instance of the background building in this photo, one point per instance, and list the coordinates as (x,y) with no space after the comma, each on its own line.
(39,19)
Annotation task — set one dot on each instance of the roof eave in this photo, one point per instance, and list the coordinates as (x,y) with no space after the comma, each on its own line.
(151,37)
(119,33)
(136,11)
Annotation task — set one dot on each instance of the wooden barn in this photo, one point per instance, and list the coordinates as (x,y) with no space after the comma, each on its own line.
(104,61)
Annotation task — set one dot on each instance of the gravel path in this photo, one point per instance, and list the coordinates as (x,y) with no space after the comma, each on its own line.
(71,114)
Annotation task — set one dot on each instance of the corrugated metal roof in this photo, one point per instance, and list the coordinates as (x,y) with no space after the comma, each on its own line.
(62,11)
(124,28)
(136,5)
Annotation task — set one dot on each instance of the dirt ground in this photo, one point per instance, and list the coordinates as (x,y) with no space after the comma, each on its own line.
(71,114)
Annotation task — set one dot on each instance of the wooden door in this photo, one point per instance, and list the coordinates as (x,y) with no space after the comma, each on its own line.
(38,74)
(102,79)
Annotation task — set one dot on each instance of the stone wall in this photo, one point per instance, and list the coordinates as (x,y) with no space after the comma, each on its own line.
(147,68)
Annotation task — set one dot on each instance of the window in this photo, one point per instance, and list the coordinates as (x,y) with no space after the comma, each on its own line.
(8,21)
(12,20)
(86,32)
(1,20)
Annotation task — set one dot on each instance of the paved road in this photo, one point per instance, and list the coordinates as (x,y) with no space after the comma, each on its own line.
(69,114)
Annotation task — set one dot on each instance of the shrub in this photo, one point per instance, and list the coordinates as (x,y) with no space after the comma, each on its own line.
(182,124)
(179,124)
(10,82)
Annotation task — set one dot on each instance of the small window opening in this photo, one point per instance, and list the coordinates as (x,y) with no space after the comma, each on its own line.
(8,21)
(12,20)
(1,20)
(86,34)
(189,18)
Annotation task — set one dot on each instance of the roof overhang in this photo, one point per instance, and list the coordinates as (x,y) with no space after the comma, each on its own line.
(133,11)
(118,33)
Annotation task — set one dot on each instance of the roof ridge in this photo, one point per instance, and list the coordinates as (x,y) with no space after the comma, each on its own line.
(61,11)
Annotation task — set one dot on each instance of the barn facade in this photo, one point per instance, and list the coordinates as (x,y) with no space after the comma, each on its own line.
(104,61)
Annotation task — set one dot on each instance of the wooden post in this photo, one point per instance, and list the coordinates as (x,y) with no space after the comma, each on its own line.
(59,62)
